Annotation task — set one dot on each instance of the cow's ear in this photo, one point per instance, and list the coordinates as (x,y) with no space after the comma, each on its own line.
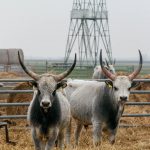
(62,84)
(135,84)
(109,83)
(33,83)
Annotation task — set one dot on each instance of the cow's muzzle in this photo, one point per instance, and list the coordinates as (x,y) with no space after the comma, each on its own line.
(123,98)
(45,104)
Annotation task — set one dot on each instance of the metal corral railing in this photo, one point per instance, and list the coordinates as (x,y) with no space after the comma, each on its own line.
(84,71)
(31,91)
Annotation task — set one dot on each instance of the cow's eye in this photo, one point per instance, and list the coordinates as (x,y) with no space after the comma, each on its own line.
(115,88)
(54,92)
(129,88)
(39,91)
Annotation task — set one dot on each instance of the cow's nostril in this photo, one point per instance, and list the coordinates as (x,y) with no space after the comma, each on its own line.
(45,104)
(123,98)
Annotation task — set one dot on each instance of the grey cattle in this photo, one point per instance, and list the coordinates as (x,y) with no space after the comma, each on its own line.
(74,84)
(98,74)
(49,111)
(102,104)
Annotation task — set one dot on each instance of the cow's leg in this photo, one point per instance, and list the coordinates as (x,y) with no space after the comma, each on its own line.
(112,136)
(37,142)
(61,139)
(77,132)
(52,138)
(97,132)
(68,133)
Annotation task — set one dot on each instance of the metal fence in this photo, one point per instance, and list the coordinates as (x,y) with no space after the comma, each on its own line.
(31,91)
(85,71)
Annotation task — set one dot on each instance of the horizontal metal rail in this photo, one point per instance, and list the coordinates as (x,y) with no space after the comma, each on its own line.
(136,115)
(27,104)
(16,80)
(140,92)
(25,116)
(15,91)
(13,117)
(14,104)
(138,103)
(100,80)
(31,91)
(133,125)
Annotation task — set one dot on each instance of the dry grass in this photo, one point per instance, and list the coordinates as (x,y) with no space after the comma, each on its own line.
(9,75)
(127,139)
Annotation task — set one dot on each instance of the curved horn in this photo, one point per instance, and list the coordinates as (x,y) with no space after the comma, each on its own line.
(66,73)
(29,72)
(105,71)
(137,71)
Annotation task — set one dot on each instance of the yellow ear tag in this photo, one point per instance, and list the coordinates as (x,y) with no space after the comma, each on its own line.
(109,86)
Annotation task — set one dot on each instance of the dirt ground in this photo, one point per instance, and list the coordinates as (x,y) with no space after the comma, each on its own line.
(133,138)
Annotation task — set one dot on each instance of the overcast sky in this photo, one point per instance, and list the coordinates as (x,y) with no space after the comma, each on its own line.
(40,27)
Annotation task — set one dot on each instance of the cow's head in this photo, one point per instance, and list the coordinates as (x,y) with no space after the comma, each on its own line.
(110,67)
(98,74)
(47,84)
(121,84)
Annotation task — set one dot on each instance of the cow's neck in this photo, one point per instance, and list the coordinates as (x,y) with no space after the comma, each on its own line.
(45,119)
(113,109)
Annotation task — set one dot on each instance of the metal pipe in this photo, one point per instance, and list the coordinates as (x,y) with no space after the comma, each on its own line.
(27,104)
(16,80)
(136,115)
(140,92)
(31,91)
(14,104)
(13,117)
(100,80)
(25,116)
(133,125)
(138,103)
(15,91)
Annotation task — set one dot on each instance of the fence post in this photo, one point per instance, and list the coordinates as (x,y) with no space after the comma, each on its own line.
(46,66)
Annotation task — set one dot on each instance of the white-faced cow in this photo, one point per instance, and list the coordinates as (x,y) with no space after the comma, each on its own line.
(102,104)
(49,111)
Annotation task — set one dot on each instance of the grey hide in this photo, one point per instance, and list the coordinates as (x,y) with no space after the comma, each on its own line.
(73,84)
(102,104)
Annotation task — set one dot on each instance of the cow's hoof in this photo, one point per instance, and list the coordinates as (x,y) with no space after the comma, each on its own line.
(112,141)
(97,143)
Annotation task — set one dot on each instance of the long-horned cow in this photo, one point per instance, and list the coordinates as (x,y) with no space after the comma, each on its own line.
(49,110)
(102,104)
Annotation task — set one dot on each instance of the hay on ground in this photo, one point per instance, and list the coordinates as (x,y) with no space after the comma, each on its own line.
(23,97)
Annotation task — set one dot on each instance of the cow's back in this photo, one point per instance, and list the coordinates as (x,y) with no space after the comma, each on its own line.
(83,100)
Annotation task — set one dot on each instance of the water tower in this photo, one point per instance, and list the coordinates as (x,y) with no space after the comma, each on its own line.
(88,32)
